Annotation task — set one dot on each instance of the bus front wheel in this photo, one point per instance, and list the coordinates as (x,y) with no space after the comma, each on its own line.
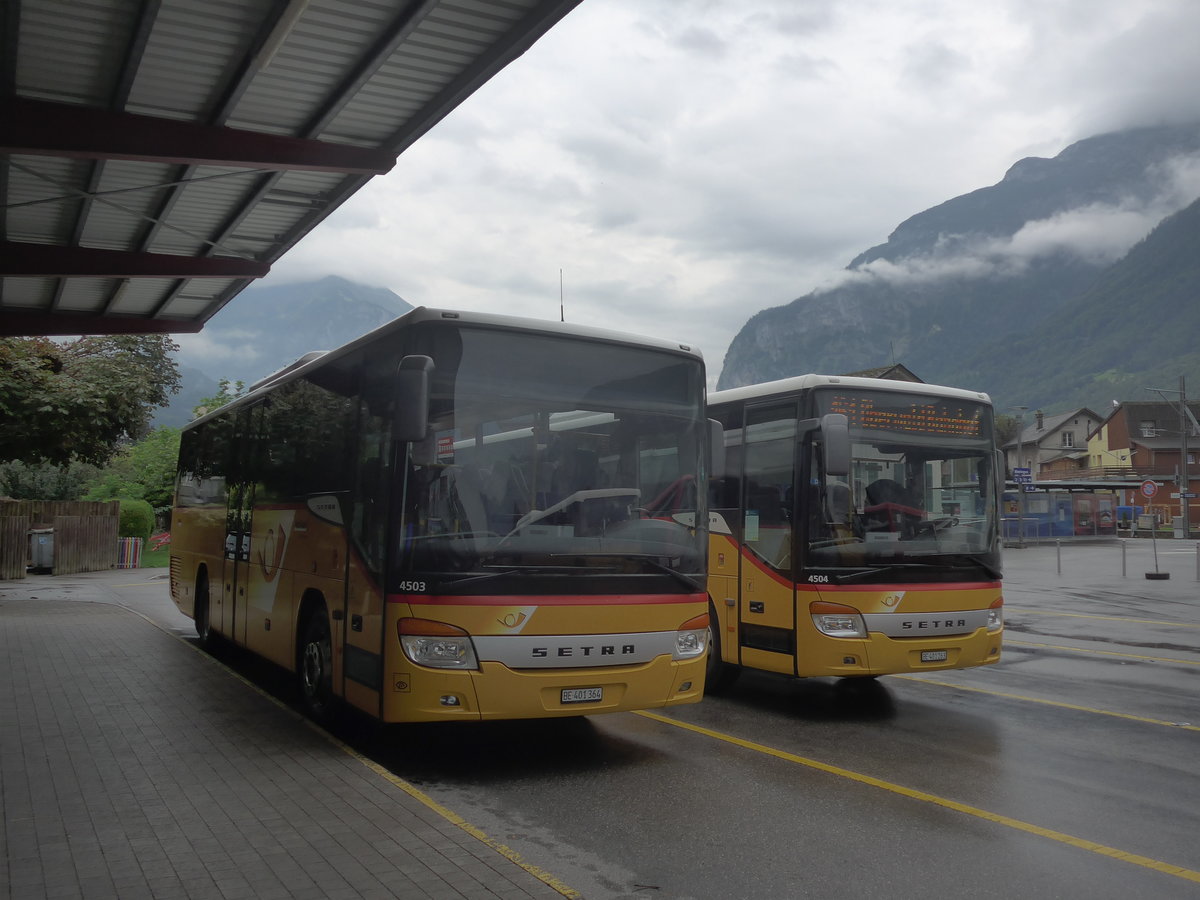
(718,674)
(316,666)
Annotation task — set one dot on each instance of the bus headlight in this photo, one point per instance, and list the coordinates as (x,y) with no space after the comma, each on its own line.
(436,644)
(837,620)
(691,640)
(996,615)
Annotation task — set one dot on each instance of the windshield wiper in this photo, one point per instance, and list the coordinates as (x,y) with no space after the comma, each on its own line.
(993,571)
(685,580)
(968,562)
(500,571)
(652,561)
(852,577)
(867,573)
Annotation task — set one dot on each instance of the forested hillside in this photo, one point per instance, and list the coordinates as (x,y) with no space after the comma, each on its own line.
(1023,289)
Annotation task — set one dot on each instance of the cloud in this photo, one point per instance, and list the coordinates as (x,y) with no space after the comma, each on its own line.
(1097,233)
(687,163)
(215,345)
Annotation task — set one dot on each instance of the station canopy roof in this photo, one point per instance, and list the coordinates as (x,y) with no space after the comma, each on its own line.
(156,156)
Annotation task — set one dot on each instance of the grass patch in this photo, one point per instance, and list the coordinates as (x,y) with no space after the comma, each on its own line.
(156,559)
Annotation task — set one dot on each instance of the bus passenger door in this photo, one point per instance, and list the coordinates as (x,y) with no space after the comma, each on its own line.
(365,634)
(767,603)
(238,514)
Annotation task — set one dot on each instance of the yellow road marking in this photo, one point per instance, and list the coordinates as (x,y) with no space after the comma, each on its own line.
(455,819)
(1047,612)
(1081,843)
(1166,659)
(1071,706)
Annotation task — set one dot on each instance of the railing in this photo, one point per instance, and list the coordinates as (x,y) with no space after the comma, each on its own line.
(1100,472)
(1123,473)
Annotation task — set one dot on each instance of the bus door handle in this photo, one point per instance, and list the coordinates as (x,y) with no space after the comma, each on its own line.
(756,606)
(356,623)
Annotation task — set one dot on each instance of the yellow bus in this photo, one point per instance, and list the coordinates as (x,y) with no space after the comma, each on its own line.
(855,530)
(446,520)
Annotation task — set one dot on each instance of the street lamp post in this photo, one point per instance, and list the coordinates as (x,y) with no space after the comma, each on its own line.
(1020,463)
(1184,482)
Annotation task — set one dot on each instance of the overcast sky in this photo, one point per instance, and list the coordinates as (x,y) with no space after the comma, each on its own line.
(687,163)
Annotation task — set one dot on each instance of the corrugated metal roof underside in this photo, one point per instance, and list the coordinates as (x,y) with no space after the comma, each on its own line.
(266,115)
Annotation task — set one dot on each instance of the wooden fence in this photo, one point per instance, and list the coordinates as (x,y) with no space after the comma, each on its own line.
(85,534)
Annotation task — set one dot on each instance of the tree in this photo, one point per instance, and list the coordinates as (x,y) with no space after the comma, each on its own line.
(141,471)
(227,392)
(1006,428)
(77,401)
(45,481)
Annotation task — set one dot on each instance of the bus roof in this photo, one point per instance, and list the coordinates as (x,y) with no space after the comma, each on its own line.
(316,358)
(798,383)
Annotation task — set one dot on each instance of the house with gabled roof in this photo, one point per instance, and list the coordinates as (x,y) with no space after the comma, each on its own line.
(1149,437)
(894,372)
(1153,440)
(1052,447)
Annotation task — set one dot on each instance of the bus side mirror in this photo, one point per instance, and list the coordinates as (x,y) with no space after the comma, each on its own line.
(716,449)
(412,398)
(835,440)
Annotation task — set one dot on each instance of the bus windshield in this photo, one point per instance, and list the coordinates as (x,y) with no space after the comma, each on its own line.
(549,457)
(921,488)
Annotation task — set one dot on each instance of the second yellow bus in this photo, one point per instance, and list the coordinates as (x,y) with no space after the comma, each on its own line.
(854,530)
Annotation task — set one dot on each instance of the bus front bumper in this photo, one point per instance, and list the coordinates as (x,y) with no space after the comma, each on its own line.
(496,692)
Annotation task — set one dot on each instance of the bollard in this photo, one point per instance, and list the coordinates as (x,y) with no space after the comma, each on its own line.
(1123,558)
(1058,552)
(1198,562)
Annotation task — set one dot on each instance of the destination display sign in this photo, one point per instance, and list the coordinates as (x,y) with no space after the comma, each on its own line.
(908,414)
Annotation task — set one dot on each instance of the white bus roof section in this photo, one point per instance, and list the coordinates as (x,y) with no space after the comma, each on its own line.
(798,383)
(156,157)
(316,358)
(545,326)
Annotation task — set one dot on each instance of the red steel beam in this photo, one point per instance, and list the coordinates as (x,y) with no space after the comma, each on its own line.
(33,324)
(45,260)
(44,128)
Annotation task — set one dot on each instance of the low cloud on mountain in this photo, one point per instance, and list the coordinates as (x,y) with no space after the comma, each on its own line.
(1097,234)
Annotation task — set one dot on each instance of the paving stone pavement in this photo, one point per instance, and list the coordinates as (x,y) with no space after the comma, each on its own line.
(132,765)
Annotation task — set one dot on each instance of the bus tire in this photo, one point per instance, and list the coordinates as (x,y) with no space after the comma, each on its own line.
(202,613)
(718,674)
(315,669)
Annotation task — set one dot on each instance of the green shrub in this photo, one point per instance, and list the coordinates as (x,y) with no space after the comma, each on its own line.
(137,519)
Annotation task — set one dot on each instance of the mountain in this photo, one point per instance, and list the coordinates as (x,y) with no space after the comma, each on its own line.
(994,290)
(1135,328)
(194,386)
(265,328)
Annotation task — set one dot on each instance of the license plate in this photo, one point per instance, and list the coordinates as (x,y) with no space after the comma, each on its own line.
(582,695)
(934,655)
